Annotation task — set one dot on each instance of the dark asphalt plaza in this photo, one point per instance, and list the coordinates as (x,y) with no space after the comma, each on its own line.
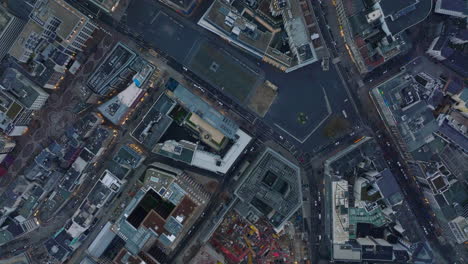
(315,93)
(319,94)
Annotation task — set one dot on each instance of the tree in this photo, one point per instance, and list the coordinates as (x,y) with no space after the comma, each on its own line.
(336,127)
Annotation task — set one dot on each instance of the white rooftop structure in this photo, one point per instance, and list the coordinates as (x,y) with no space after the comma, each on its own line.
(110,180)
(75,230)
(340,220)
(215,163)
(130,94)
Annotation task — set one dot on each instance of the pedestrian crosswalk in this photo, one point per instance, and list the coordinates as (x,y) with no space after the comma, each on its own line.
(30,224)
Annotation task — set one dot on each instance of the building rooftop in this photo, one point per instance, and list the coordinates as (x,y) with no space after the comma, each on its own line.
(160,210)
(458,62)
(155,122)
(405,14)
(455,136)
(115,65)
(125,257)
(216,163)
(340,215)
(403,101)
(181,151)
(220,14)
(198,106)
(102,241)
(393,7)
(129,155)
(17,49)
(260,28)
(452,7)
(96,141)
(68,16)
(101,192)
(389,187)
(365,154)
(58,245)
(114,110)
(272,188)
(21,88)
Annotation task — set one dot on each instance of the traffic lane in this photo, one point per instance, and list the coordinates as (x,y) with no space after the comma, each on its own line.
(316,232)
(409,186)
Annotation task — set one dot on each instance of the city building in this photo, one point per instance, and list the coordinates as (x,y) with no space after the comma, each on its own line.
(10,27)
(124,72)
(6,146)
(15,210)
(14,118)
(19,97)
(101,242)
(374,30)
(448,197)
(114,72)
(55,33)
(160,213)
(283,33)
(445,48)
(453,128)
(103,191)
(198,106)
(455,8)
(23,90)
(155,122)
(362,198)
(195,155)
(439,48)
(271,189)
(224,141)
(130,156)
(459,227)
(403,103)
(116,110)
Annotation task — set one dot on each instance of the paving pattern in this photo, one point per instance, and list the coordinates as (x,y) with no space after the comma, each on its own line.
(55,116)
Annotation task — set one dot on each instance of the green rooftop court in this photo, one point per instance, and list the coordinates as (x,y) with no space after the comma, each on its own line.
(223,71)
(360,215)
(5,236)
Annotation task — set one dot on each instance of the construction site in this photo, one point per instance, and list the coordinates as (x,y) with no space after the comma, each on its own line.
(240,241)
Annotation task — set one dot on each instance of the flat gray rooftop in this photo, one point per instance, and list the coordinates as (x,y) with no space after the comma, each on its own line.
(196,105)
(272,186)
(155,122)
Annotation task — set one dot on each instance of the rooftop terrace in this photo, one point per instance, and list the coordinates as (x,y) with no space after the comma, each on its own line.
(196,105)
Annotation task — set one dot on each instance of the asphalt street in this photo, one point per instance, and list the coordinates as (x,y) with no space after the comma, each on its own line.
(300,91)
(158,29)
